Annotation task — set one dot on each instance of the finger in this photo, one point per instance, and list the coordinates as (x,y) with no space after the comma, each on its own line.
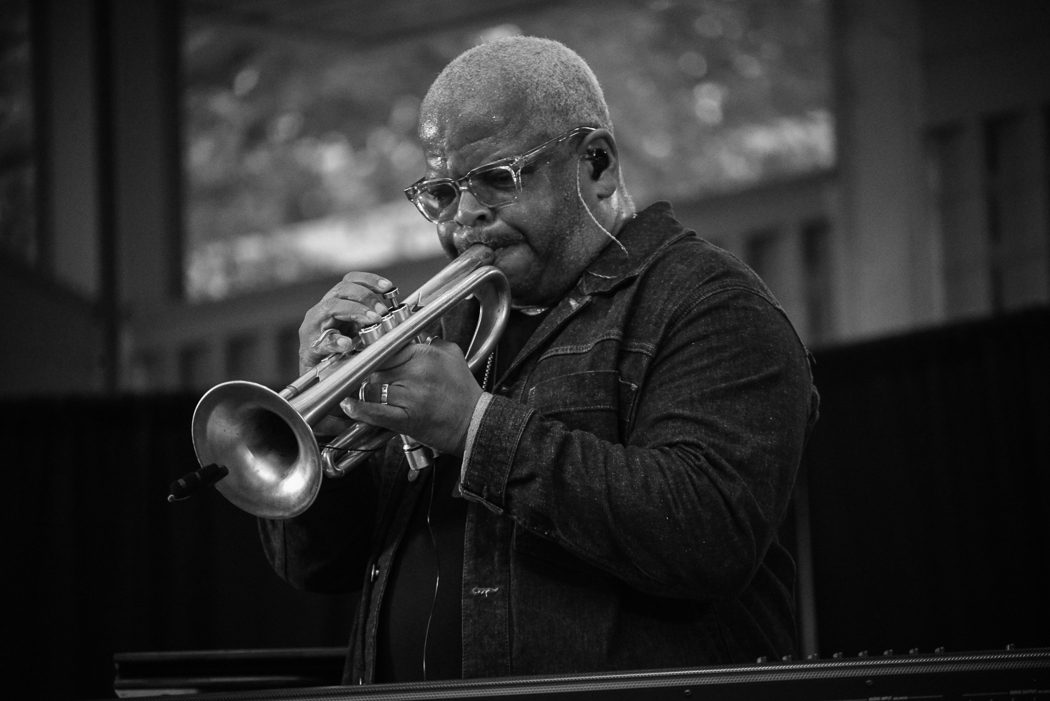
(415,364)
(316,344)
(383,415)
(365,288)
(334,312)
(332,425)
(327,327)
(331,342)
(446,346)
(373,282)
(375,393)
(328,343)
(393,366)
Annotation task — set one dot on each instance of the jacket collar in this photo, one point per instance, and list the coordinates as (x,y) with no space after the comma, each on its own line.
(643,238)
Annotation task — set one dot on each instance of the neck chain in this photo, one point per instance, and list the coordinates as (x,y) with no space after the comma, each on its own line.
(488,370)
(531,311)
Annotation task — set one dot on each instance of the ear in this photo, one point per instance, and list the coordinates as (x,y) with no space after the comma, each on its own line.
(599,159)
(601,162)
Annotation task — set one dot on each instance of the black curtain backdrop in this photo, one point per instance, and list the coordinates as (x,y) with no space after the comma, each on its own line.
(929,490)
(101,562)
(928,477)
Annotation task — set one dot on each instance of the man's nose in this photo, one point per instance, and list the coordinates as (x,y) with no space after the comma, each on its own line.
(470,210)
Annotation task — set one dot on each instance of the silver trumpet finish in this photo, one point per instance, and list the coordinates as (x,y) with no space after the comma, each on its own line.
(265,438)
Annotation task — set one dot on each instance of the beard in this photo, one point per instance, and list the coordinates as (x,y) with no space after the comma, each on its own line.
(567,248)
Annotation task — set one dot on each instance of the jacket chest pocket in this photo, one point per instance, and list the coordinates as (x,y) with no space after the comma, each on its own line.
(596,401)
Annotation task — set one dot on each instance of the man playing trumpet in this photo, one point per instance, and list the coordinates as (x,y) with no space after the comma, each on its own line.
(608,488)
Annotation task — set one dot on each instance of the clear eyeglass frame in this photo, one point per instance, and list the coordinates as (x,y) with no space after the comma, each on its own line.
(494,184)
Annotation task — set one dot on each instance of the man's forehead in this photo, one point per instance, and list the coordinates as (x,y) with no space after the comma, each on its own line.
(449,128)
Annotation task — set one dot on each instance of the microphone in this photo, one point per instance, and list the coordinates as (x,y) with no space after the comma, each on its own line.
(188,485)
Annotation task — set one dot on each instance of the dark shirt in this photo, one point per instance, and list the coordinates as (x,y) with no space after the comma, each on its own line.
(421,611)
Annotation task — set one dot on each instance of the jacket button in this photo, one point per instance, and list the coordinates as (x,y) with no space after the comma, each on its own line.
(375,572)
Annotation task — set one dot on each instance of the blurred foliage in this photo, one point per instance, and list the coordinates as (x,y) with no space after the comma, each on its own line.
(706,95)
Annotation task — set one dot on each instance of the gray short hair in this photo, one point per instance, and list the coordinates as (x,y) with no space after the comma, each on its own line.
(559,89)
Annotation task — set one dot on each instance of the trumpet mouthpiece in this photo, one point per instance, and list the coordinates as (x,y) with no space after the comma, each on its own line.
(483,254)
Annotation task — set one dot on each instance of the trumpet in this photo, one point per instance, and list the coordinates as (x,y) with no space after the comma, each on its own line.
(265,440)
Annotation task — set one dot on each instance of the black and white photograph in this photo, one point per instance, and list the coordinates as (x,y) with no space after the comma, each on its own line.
(546,349)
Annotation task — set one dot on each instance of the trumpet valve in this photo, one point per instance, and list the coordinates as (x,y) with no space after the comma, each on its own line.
(419,457)
(371,334)
(394,317)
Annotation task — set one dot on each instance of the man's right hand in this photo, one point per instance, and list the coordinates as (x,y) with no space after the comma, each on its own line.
(355,302)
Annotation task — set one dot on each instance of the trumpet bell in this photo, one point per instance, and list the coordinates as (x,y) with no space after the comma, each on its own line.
(278,461)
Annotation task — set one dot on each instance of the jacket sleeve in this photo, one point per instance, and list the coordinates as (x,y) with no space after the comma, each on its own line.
(688,502)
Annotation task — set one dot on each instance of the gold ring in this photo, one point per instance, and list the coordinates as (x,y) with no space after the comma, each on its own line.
(384,391)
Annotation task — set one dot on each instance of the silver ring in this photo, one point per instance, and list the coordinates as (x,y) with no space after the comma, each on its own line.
(361,391)
(430,339)
(383,393)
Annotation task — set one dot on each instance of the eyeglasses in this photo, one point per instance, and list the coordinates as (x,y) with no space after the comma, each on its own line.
(495,184)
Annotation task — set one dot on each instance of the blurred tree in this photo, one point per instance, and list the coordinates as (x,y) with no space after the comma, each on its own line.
(707,95)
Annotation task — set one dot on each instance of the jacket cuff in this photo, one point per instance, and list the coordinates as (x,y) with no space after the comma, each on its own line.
(472,429)
(489,457)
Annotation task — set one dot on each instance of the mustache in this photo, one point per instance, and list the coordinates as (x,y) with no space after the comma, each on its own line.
(492,239)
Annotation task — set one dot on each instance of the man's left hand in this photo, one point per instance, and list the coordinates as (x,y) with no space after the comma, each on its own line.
(430,396)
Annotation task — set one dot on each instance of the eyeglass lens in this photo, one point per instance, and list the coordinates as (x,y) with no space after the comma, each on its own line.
(492,187)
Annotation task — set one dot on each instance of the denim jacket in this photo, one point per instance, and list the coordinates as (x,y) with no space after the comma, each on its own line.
(625,482)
